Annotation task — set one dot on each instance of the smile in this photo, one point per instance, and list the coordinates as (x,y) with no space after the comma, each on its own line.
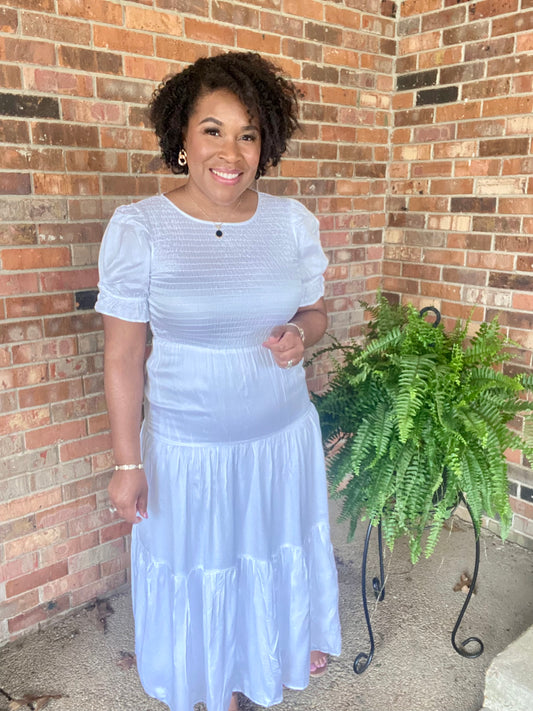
(225,175)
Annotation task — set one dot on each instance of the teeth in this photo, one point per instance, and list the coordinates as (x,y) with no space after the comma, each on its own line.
(227,176)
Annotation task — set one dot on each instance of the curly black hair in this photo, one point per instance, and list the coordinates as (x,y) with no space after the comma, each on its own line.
(257,84)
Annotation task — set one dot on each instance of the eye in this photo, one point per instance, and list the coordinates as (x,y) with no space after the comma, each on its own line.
(211,131)
(249,137)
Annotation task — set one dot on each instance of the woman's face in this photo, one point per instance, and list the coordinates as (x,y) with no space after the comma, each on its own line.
(223,148)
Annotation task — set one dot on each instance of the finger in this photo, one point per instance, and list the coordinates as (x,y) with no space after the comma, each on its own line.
(277,332)
(142,505)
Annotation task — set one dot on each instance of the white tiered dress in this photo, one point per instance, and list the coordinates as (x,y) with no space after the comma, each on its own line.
(234,579)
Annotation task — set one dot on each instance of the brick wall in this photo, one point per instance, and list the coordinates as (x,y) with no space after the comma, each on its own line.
(460,223)
(75,78)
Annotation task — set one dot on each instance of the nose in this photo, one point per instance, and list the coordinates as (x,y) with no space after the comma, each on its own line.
(229,150)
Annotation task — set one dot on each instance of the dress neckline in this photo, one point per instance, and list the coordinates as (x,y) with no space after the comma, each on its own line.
(211,222)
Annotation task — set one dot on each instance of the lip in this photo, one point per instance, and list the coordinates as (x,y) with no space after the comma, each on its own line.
(226,176)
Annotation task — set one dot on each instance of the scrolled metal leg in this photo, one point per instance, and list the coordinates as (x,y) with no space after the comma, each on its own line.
(363,660)
(461,649)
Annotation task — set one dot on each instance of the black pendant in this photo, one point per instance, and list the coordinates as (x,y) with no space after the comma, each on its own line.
(219,232)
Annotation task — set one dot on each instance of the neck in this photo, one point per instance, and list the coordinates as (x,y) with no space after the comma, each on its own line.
(212,212)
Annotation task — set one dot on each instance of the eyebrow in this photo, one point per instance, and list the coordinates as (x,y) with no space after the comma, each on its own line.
(211,119)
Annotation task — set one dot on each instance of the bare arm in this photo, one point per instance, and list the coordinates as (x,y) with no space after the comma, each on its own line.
(285,342)
(124,352)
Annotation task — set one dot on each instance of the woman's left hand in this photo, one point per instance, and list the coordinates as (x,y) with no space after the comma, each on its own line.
(286,345)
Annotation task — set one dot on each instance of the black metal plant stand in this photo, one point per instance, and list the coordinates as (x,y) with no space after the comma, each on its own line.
(363,659)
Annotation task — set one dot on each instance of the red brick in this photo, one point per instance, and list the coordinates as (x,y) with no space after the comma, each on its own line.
(44,350)
(85,447)
(522,84)
(65,512)
(178,49)
(75,367)
(15,183)
(18,508)
(26,420)
(97,10)
(18,567)
(8,20)
(120,563)
(516,206)
(150,20)
(258,41)
(77,408)
(71,582)
(116,38)
(418,7)
(490,261)
(430,168)
(453,186)
(38,614)
(453,275)
(524,263)
(27,51)
(99,555)
(520,22)
(91,111)
(54,434)
(89,60)
(97,424)
(491,8)
(523,302)
(498,86)
(10,76)
(419,43)
(13,607)
(99,588)
(72,279)
(64,549)
(63,184)
(24,307)
(458,112)
(27,375)
(147,68)
(78,323)
(58,82)
(440,57)
(32,159)
(136,139)
(521,105)
(35,258)
(340,57)
(311,9)
(65,135)
(14,131)
(515,64)
(36,579)
(96,161)
(55,29)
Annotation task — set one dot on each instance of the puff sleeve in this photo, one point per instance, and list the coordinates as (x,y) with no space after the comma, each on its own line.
(312,260)
(124,268)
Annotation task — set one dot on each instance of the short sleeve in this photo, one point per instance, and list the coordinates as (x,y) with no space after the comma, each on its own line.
(124,268)
(312,260)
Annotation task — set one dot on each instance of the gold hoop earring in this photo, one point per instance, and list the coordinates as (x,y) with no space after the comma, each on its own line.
(182,158)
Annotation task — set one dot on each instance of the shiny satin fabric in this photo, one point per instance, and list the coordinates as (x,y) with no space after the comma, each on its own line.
(233,573)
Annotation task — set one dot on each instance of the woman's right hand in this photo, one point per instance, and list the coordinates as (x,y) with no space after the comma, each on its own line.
(128,491)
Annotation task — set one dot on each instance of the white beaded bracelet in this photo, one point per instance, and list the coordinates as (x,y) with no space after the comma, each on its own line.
(126,467)
(300,329)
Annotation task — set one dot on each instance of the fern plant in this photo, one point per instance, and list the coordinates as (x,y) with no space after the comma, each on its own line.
(416,417)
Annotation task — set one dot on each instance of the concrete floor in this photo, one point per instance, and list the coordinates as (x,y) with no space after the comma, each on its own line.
(415,667)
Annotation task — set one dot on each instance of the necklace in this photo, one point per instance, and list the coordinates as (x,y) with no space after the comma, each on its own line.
(218,225)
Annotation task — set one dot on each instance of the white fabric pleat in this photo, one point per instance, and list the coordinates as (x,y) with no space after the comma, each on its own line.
(233,573)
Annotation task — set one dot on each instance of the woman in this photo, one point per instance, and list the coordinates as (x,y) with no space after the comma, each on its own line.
(234,583)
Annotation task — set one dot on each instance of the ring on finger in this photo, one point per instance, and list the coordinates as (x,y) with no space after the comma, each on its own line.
(112,509)
(290,363)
